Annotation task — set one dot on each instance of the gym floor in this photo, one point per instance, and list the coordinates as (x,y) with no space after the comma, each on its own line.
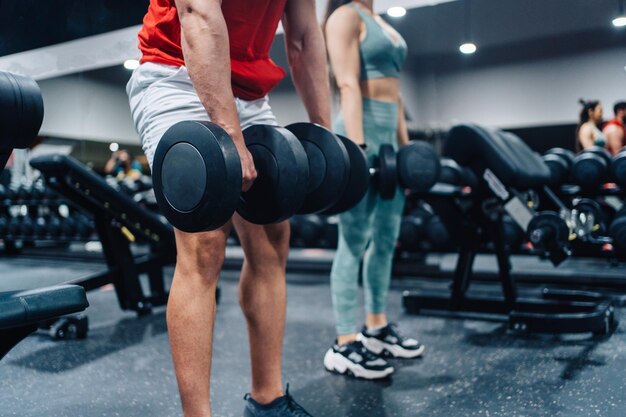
(470,367)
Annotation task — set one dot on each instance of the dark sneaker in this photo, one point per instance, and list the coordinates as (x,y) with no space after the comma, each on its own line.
(389,341)
(284,406)
(354,359)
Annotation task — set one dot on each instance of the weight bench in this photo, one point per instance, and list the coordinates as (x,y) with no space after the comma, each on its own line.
(119,222)
(21,115)
(21,312)
(506,167)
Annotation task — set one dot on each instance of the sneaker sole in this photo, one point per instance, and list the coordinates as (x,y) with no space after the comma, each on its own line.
(337,363)
(396,351)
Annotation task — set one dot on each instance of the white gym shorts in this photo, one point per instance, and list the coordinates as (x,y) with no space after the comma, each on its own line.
(162,95)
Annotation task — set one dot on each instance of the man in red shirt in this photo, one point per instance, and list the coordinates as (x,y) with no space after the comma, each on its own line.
(208,60)
(614,130)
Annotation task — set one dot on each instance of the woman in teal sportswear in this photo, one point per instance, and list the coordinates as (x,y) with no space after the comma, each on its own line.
(366,55)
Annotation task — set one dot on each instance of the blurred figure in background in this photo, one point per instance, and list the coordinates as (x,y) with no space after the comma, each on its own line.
(588,132)
(122,164)
(614,131)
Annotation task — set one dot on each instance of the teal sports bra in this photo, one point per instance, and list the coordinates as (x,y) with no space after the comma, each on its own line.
(381,57)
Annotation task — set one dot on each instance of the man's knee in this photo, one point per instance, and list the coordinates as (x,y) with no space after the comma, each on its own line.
(201,253)
(265,245)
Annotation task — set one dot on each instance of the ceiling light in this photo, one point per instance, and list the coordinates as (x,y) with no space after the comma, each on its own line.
(619,22)
(468,48)
(396,11)
(131,64)
(114,147)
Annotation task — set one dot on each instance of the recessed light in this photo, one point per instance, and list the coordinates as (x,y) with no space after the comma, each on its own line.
(114,147)
(396,11)
(131,64)
(619,22)
(468,48)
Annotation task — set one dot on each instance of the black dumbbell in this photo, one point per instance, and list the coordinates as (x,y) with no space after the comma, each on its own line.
(27,227)
(451,172)
(413,227)
(591,167)
(54,226)
(415,166)
(14,226)
(617,231)
(68,227)
(560,162)
(197,174)
(41,227)
(547,230)
(23,192)
(437,233)
(513,233)
(4,226)
(618,168)
(587,218)
(38,191)
(84,226)
(310,230)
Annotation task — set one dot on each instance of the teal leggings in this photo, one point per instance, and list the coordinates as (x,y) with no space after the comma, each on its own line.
(368,232)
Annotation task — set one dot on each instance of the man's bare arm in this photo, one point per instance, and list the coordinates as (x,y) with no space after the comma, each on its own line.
(204,39)
(307,59)
(614,138)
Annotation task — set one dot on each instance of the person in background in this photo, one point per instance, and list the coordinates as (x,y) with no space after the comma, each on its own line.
(122,164)
(614,130)
(588,132)
(366,55)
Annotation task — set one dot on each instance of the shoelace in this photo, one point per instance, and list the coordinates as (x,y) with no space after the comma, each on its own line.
(395,331)
(296,409)
(367,354)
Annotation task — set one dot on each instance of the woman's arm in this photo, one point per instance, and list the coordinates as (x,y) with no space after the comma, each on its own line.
(343,30)
(403,133)
(306,53)
(585,136)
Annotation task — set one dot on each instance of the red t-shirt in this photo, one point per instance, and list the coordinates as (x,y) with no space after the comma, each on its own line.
(251,28)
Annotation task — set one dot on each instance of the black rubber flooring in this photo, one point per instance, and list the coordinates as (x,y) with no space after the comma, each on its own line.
(470,367)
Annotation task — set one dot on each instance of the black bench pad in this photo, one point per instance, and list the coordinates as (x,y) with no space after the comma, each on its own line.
(510,159)
(20,308)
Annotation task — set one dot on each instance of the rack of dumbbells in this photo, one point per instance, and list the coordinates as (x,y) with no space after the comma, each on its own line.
(502,201)
(33,213)
(592,184)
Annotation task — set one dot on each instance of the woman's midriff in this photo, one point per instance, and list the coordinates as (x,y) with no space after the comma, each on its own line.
(381,89)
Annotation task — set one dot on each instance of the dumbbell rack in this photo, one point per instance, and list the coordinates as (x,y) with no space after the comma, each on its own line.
(54,227)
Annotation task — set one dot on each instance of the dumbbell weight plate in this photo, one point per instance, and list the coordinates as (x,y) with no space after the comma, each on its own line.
(282,175)
(547,229)
(618,167)
(329,166)
(587,217)
(358,178)
(387,178)
(451,172)
(591,167)
(559,170)
(617,231)
(418,166)
(197,176)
